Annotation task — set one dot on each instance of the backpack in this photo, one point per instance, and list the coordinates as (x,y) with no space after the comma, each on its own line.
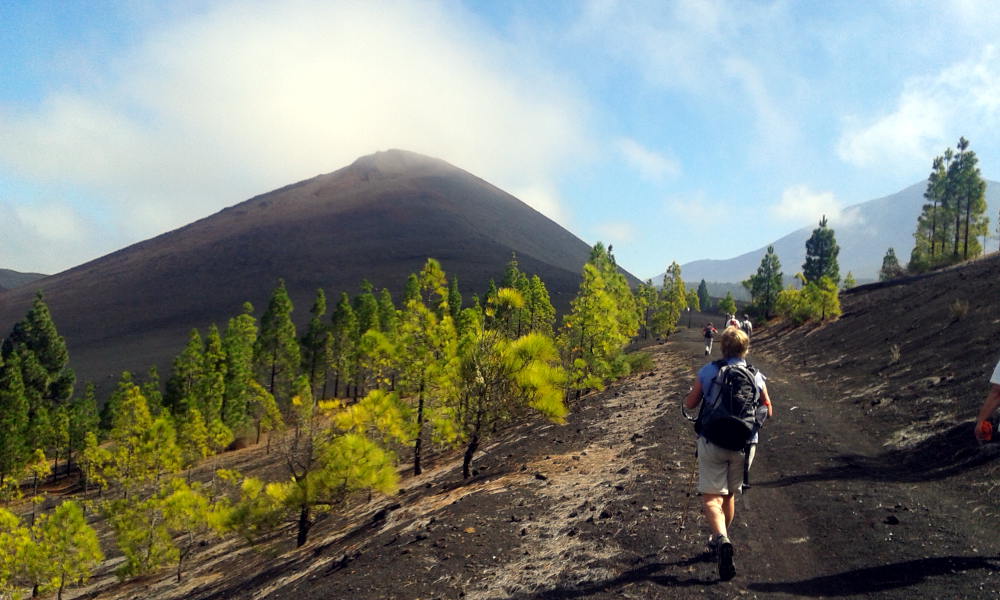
(732,421)
(709,332)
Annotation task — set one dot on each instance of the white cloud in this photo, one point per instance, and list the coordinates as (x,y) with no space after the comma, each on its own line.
(248,97)
(41,238)
(800,205)
(719,52)
(616,232)
(652,165)
(545,199)
(51,221)
(930,111)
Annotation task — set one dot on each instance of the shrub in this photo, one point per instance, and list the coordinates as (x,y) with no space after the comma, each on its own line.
(958,309)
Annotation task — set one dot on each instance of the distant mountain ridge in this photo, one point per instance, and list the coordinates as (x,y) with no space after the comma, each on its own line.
(10,279)
(379,218)
(874,227)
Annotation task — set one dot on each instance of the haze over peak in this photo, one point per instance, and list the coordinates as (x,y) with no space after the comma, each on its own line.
(379,218)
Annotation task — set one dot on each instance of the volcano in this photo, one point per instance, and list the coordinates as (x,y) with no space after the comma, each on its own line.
(379,218)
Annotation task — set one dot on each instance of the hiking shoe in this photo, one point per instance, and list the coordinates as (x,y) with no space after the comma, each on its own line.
(713,545)
(727,568)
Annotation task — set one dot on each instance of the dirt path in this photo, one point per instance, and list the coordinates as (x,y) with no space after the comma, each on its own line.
(604,507)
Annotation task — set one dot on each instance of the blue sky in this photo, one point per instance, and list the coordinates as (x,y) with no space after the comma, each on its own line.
(672,130)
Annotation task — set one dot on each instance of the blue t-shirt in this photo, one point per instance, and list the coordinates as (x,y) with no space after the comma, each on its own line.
(710,395)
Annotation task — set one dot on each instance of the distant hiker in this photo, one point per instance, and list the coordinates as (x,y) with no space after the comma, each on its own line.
(733,322)
(735,404)
(984,430)
(709,333)
(747,326)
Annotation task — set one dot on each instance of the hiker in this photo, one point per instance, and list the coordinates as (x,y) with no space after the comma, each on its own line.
(984,426)
(709,332)
(733,322)
(747,325)
(721,470)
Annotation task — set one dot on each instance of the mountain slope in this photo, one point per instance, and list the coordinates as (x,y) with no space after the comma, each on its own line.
(11,279)
(379,218)
(872,227)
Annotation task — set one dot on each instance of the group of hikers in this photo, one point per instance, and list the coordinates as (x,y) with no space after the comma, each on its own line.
(731,321)
(734,404)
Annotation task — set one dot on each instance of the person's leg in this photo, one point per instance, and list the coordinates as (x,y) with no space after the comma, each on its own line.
(717,519)
(728,508)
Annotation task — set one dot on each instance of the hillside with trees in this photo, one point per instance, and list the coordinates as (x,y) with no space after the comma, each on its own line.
(379,219)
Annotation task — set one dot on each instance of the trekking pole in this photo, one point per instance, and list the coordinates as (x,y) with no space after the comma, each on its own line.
(746,467)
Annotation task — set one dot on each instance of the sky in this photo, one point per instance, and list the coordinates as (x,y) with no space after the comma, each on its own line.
(673,130)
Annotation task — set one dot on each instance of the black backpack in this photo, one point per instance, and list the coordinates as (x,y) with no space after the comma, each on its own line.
(732,421)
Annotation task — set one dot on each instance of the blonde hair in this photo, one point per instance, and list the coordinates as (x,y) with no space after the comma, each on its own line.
(735,343)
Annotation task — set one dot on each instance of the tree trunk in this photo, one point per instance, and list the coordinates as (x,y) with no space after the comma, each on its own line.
(304,525)
(469,451)
(420,431)
(968,210)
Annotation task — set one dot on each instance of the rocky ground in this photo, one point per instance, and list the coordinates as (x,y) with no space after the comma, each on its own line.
(603,507)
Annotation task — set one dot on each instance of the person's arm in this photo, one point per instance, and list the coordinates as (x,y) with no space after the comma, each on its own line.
(693,398)
(765,399)
(990,405)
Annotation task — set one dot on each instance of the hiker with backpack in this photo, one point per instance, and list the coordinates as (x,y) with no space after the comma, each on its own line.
(733,322)
(709,332)
(734,404)
(747,326)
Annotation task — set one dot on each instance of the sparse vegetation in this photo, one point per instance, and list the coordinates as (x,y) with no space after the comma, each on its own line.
(895,353)
(958,309)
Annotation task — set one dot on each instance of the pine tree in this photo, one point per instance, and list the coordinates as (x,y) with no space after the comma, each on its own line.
(671,301)
(14,444)
(727,304)
(821,254)
(67,549)
(316,345)
(646,297)
(276,353)
(591,338)
(427,347)
(344,327)
(766,284)
(388,316)
(211,386)
(151,390)
(238,344)
(704,299)
(188,371)
(890,266)
(142,536)
(849,281)
(142,448)
(190,517)
(325,466)
(503,379)
(37,334)
(454,298)
(83,419)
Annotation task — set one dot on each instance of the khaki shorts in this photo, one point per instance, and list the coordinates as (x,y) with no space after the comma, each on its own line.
(720,471)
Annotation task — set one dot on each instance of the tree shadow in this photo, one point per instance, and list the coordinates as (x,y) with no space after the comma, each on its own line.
(944,455)
(880,579)
(646,573)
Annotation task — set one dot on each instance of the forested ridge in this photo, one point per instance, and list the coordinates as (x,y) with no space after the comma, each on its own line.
(349,404)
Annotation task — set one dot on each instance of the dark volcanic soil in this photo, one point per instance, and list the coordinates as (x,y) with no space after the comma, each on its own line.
(603,507)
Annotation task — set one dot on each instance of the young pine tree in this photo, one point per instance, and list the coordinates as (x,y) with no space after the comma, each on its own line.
(277,356)
(821,254)
(766,284)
